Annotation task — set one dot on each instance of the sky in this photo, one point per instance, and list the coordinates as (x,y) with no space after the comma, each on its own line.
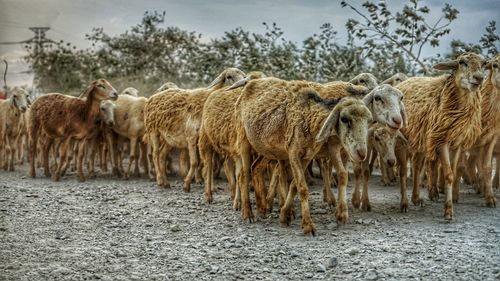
(69,20)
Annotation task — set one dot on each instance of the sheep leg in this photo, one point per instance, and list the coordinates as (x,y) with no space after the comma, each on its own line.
(259,184)
(56,176)
(356,195)
(112,146)
(298,167)
(230,175)
(417,163)
(326,172)
(444,155)
(10,153)
(193,163)
(183,162)
(33,140)
(271,193)
(471,168)
(373,158)
(283,186)
(456,179)
(206,154)
(243,178)
(401,157)
(47,145)
(161,175)
(2,152)
(365,205)
(496,179)
(237,195)
(487,171)
(94,149)
(81,152)
(137,157)
(144,157)
(132,159)
(341,213)
(431,180)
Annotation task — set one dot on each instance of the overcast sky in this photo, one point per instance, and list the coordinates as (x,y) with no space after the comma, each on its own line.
(69,20)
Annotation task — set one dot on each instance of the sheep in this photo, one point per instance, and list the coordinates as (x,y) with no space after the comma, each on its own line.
(287,120)
(490,119)
(174,116)
(64,117)
(129,116)
(218,134)
(444,114)
(166,86)
(496,153)
(395,79)
(390,145)
(95,138)
(386,107)
(11,125)
(131,91)
(365,79)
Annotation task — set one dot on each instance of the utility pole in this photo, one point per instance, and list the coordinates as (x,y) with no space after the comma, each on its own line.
(38,44)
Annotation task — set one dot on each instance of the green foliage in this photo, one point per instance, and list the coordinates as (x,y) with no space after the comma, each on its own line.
(147,55)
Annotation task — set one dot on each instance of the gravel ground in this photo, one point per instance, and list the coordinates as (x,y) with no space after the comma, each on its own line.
(111,229)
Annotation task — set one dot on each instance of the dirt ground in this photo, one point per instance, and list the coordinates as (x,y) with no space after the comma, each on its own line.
(113,229)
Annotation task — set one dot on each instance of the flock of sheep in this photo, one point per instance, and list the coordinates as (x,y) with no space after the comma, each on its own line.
(267,133)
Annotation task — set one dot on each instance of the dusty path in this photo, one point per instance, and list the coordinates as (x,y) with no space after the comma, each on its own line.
(112,229)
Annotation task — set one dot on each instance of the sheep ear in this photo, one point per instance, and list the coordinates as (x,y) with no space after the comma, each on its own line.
(388,81)
(452,64)
(403,113)
(87,91)
(238,84)
(487,65)
(218,80)
(329,125)
(402,137)
(368,100)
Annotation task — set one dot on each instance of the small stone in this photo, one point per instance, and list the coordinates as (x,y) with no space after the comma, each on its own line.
(214,269)
(360,221)
(332,262)
(294,254)
(308,275)
(321,268)
(352,251)
(371,275)
(175,228)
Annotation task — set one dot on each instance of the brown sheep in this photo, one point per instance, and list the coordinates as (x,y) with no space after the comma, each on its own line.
(218,134)
(288,121)
(166,86)
(63,117)
(444,114)
(174,116)
(390,146)
(395,79)
(11,125)
(129,116)
(490,119)
(365,79)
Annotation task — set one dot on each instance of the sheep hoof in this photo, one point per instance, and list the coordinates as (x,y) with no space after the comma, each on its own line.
(433,194)
(247,215)
(448,211)
(417,201)
(236,205)
(404,206)
(309,228)
(11,169)
(209,198)
(366,207)
(187,187)
(341,213)
(491,201)
(55,177)
(356,203)
(81,178)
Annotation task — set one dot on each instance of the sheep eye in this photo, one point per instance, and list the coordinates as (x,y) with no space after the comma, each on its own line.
(362,81)
(230,77)
(377,98)
(495,65)
(344,119)
(397,79)
(377,138)
(462,63)
(101,86)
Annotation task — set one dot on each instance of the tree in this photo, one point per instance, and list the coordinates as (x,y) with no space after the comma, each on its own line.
(406,31)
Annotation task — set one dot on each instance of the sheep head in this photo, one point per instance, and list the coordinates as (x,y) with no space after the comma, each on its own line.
(19,97)
(102,90)
(395,79)
(131,91)
(468,70)
(167,86)
(229,75)
(107,112)
(386,104)
(384,141)
(252,75)
(365,79)
(494,67)
(348,121)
